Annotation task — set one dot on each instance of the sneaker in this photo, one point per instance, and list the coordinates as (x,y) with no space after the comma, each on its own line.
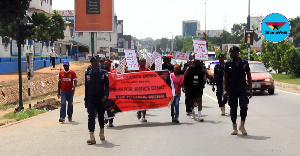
(70,119)
(176,120)
(110,125)
(193,116)
(144,120)
(199,118)
(61,120)
(188,113)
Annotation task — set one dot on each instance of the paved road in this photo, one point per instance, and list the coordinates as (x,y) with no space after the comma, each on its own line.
(273,127)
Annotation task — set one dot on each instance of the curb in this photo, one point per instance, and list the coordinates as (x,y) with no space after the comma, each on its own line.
(287,85)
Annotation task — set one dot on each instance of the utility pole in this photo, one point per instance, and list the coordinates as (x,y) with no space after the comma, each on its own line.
(248,27)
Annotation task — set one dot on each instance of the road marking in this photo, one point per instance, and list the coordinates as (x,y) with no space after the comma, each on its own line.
(287,92)
(214,99)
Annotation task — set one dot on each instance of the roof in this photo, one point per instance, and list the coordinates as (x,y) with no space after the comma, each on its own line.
(81,44)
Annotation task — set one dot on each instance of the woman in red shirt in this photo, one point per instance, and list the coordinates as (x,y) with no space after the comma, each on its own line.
(178,83)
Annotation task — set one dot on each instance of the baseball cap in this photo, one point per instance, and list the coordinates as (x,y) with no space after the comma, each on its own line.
(221,55)
(66,63)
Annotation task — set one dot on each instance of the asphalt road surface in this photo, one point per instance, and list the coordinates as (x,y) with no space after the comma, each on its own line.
(273,130)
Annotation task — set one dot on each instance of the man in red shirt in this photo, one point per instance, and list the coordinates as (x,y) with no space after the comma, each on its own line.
(66,88)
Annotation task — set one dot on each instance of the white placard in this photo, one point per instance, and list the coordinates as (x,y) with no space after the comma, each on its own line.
(131,59)
(120,70)
(200,50)
(202,57)
(158,64)
(155,55)
(182,56)
(123,63)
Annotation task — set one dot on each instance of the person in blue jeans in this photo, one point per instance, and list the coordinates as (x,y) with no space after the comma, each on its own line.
(178,83)
(66,88)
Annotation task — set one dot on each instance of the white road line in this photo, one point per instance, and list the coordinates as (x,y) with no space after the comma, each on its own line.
(287,92)
(214,99)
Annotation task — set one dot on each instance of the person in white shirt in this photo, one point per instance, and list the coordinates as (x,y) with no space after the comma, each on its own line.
(52,57)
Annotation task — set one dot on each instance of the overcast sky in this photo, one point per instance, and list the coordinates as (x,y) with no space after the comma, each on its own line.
(163,18)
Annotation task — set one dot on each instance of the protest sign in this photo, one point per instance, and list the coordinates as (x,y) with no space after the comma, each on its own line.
(131,59)
(182,56)
(200,49)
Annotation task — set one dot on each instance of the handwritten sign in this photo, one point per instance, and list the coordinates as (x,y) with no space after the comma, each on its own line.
(131,59)
(182,56)
(200,50)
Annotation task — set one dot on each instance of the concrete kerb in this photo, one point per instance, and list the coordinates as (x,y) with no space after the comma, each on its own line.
(287,85)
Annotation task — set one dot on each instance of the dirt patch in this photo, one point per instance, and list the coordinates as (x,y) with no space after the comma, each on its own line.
(49,104)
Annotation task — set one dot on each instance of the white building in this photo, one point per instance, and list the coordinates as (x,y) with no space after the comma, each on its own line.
(40,6)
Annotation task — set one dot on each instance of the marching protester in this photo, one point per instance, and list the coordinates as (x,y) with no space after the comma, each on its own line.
(235,72)
(110,104)
(66,88)
(142,67)
(188,108)
(96,93)
(167,64)
(53,57)
(178,83)
(196,75)
(218,80)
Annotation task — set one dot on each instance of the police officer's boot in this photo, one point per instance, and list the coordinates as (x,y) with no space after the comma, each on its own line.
(242,128)
(223,110)
(101,134)
(235,131)
(92,139)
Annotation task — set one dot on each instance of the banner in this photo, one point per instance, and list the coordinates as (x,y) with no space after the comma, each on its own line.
(182,56)
(141,90)
(131,59)
(200,49)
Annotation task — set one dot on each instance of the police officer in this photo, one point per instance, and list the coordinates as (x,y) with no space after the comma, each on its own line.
(96,93)
(218,77)
(235,72)
(196,75)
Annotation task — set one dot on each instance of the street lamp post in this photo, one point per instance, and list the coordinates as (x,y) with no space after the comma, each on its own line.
(248,27)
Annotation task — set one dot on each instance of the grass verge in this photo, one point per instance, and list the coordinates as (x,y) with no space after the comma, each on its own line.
(24,114)
(4,107)
(286,78)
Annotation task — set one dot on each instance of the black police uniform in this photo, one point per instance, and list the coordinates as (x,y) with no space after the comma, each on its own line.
(186,82)
(96,87)
(168,66)
(196,81)
(237,88)
(219,83)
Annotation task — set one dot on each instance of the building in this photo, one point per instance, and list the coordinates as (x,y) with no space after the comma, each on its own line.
(210,33)
(190,27)
(40,6)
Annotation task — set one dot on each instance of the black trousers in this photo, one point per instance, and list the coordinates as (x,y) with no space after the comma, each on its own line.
(238,97)
(187,102)
(53,61)
(92,108)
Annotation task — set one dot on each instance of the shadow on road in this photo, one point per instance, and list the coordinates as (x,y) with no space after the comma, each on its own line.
(72,123)
(212,122)
(106,144)
(149,124)
(254,137)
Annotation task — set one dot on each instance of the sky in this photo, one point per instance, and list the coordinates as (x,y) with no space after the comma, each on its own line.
(163,18)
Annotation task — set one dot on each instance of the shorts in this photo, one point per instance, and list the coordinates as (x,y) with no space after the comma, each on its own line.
(196,93)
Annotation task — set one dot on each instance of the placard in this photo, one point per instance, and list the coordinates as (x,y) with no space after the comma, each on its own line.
(200,50)
(131,59)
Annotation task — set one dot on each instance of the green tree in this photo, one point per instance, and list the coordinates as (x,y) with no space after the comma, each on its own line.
(42,25)
(226,37)
(10,10)
(237,32)
(57,27)
(153,49)
(187,44)
(295,30)
(293,63)
(178,44)
(164,43)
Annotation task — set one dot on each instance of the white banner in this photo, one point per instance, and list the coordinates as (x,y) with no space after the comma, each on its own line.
(182,56)
(200,50)
(158,64)
(131,59)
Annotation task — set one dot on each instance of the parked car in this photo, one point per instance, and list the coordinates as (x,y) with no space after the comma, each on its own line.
(261,78)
